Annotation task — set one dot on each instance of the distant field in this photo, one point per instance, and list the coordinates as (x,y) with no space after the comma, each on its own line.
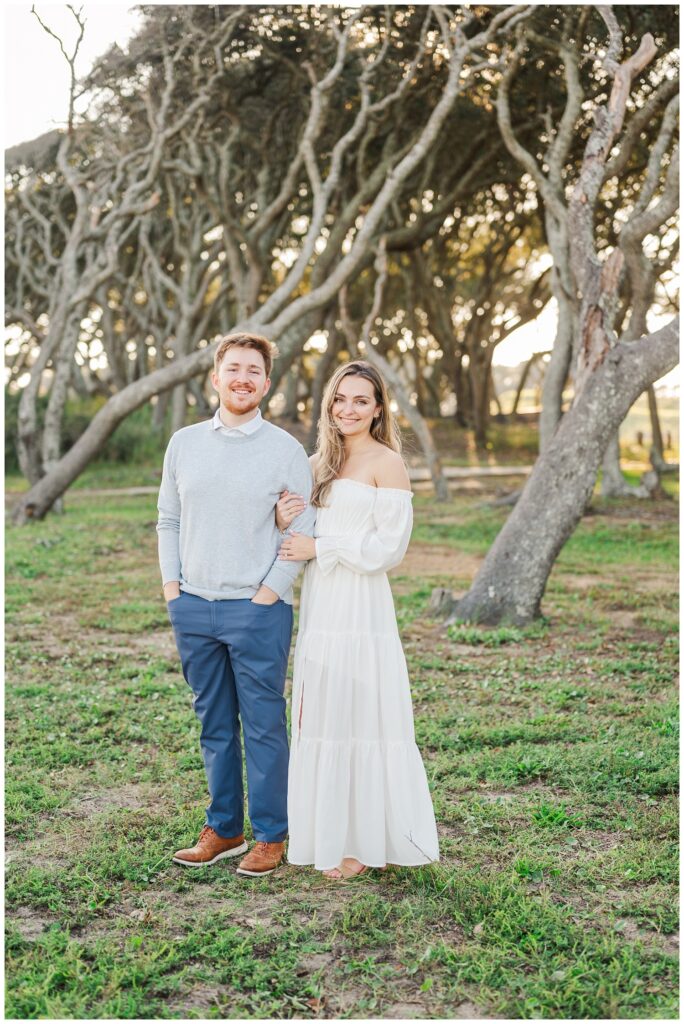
(637,419)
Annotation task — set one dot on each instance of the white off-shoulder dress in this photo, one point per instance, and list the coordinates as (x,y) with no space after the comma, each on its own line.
(357,784)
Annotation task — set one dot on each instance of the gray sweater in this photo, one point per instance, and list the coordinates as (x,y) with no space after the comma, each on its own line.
(216,525)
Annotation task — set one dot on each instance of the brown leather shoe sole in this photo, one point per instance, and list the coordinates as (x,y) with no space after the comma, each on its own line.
(234,852)
(257,874)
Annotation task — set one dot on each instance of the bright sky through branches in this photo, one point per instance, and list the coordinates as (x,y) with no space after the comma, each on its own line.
(36,84)
(37,75)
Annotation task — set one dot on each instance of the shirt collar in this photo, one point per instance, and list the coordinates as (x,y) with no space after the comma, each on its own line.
(245,428)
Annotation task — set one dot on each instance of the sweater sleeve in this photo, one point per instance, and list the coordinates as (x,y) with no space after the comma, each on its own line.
(299,480)
(380,549)
(168,520)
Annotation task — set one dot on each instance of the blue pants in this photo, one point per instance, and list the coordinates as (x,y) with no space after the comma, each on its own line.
(234,656)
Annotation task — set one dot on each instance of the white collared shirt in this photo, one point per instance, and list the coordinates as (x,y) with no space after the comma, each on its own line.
(245,428)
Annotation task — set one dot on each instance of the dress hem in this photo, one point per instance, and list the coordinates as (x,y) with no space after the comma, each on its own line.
(350,856)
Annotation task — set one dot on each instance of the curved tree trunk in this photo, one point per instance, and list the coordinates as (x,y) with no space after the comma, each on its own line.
(324,368)
(492,391)
(523,379)
(479,378)
(510,585)
(418,382)
(201,404)
(657,452)
(656,433)
(39,499)
(159,412)
(28,434)
(291,412)
(434,409)
(62,365)
(181,348)
(179,405)
(462,414)
(290,345)
(556,373)
(613,483)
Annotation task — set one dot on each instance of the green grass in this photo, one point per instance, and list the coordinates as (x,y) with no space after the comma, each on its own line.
(551,753)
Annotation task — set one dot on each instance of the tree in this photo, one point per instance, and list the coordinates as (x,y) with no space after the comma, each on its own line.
(610,374)
(337,232)
(480,279)
(547,156)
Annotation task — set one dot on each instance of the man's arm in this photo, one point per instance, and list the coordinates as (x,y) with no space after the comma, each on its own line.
(168,527)
(299,480)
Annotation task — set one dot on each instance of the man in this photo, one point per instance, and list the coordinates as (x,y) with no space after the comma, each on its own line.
(230,599)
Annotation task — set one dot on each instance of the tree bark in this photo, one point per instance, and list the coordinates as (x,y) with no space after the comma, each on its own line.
(324,368)
(462,414)
(479,373)
(62,376)
(179,405)
(159,413)
(657,450)
(523,380)
(291,412)
(613,483)
(556,373)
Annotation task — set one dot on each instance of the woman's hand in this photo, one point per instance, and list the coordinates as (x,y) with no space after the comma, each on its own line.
(288,508)
(297,547)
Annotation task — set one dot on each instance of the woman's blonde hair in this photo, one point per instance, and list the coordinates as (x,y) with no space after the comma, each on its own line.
(330,443)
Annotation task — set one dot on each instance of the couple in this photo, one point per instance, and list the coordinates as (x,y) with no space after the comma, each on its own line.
(241,511)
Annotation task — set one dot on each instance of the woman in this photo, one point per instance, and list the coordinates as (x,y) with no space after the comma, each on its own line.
(358,795)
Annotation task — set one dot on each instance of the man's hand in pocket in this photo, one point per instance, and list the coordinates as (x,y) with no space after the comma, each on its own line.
(265,595)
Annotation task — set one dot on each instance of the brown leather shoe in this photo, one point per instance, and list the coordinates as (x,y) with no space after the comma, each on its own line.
(262,860)
(210,847)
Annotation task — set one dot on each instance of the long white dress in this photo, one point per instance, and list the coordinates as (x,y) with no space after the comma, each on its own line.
(357,786)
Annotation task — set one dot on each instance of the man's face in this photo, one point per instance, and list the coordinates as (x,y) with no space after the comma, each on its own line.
(241,381)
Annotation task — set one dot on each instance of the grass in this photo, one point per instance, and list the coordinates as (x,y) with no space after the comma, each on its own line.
(551,754)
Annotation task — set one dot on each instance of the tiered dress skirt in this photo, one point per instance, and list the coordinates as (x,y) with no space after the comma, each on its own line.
(357,783)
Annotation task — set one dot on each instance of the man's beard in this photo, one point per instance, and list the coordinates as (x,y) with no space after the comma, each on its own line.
(243,405)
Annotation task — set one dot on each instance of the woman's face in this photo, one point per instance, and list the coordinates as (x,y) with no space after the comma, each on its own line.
(354,406)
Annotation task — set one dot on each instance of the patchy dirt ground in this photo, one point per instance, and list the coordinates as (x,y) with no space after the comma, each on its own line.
(549,756)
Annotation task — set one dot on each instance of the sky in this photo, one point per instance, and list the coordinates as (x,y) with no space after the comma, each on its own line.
(36,75)
(36,89)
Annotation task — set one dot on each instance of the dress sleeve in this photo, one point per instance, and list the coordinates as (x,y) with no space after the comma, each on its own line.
(298,479)
(381,548)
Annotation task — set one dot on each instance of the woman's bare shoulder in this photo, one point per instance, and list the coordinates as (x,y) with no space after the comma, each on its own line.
(389,470)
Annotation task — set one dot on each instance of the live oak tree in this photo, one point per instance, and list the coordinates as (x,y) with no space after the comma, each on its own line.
(478,280)
(556,45)
(610,371)
(336,228)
